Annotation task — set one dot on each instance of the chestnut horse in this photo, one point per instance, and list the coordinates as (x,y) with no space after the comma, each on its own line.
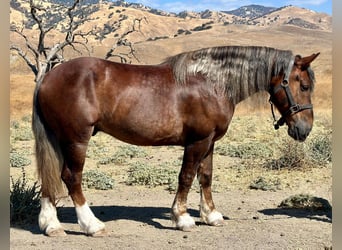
(187,100)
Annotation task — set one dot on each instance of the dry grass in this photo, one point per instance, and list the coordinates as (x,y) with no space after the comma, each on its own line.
(251,149)
(260,158)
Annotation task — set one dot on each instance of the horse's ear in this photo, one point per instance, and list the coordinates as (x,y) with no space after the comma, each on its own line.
(304,62)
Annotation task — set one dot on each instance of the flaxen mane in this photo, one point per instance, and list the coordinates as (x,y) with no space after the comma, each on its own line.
(238,71)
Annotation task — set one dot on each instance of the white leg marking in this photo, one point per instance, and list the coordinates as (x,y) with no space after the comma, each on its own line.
(87,220)
(48,221)
(185,222)
(215,218)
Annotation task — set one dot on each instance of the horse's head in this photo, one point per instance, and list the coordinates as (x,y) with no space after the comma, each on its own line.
(291,94)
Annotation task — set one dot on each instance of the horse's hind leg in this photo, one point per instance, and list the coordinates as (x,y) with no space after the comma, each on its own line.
(74,155)
(48,221)
(204,174)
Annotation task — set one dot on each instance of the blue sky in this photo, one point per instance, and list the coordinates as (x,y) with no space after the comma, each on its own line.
(200,5)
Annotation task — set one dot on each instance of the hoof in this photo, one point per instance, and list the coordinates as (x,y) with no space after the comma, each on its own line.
(89,224)
(96,228)
(214,219)
(185,223)
(55,232)
(100,233)
(187,228)
(218,223)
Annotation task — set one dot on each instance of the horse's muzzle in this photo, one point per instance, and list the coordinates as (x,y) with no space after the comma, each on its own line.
(299,130)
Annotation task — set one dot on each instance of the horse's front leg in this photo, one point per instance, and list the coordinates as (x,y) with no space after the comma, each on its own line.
(208,212)
(193,155)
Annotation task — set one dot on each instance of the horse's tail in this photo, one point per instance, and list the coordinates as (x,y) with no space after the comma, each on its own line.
(48,153)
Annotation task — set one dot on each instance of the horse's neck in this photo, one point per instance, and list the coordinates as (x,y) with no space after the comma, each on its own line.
(237,91)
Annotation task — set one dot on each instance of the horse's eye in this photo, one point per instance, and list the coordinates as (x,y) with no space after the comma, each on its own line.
(304,87)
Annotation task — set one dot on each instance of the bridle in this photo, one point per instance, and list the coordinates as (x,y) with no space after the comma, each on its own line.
(294,107)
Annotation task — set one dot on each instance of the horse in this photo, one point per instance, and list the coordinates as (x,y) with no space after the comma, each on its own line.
(187,100)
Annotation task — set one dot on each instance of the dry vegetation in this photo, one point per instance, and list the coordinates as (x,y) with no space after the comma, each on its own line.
(251,155)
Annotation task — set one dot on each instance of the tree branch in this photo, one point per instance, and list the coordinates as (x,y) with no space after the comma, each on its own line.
(41,58)
(28,44)
(123,41)
(23,55)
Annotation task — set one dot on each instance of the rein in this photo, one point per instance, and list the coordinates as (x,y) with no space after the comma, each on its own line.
(294,107)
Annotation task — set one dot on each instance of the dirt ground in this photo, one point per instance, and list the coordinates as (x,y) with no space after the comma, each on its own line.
(138,218)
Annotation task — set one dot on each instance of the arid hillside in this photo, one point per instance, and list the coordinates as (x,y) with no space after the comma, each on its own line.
(163,34)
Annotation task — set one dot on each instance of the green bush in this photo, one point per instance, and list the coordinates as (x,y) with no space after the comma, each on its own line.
(316,151)
(289,160)
(245,151)
(21,130)
(97,180)
(14,124)
(143,174)
(24,201)
(266,184)
(320,148)
(306,202)
(17,160)
(97,150)
(23,134)
(123,155)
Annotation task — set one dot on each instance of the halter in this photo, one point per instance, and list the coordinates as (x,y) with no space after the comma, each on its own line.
(294,107)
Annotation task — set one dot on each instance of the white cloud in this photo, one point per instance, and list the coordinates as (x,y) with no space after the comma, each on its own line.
(306,2)
(200,5)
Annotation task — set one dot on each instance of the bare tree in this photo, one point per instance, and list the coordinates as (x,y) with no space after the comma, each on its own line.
(41,57)
(124,41)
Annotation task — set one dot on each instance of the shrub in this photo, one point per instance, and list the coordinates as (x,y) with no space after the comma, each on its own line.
(306,202)
(17,160)
(180,31)
(316,151)
(291,153)
(97,180)
(123,154)
(245,151)
(15,124)
(97,150)
(157,38)
(24,201)
(27,119)
(265,184)
(143,174)
(202,27)
(320,148)
(22,133)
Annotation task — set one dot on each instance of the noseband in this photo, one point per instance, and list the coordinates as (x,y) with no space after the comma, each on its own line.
(294,107)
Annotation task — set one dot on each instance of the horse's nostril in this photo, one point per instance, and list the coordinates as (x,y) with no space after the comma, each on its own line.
(300,131)
(302,134)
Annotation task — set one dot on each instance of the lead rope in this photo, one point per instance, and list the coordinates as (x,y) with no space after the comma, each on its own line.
(275,122)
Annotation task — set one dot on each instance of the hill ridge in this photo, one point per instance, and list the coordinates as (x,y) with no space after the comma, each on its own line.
(255,15)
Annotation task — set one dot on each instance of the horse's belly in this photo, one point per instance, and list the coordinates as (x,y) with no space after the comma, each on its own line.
(146,132)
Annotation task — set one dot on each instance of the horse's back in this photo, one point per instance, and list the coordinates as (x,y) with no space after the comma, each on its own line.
(116,98)
(140,105)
